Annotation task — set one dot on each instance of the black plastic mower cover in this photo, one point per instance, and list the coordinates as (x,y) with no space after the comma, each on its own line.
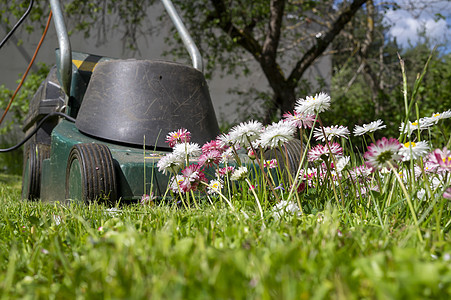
(129,99)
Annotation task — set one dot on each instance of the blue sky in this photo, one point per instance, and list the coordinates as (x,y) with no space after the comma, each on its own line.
(419,15)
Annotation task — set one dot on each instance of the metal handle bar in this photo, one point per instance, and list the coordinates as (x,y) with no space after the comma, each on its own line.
(65,47)
(65,68)
(184,34)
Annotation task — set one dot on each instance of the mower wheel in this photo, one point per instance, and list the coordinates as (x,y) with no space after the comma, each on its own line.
(31,176)
(292,151)
(90,174)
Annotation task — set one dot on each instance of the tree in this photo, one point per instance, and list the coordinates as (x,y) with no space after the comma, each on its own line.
(279,35)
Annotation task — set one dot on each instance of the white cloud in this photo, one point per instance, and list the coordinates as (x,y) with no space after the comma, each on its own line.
(405,24)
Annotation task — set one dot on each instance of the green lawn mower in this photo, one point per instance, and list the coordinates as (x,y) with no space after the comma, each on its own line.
(98,124)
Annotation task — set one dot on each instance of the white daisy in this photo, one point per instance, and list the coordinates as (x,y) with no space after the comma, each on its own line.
(413,126)
(277,134)
(342,163)
(214,187)
(439,116)
(169,163)
(331,132)
(285,207)
(245,132)
(313,105)
(366,128)
(239,174)
(176,182)
(411,150)
(187,149)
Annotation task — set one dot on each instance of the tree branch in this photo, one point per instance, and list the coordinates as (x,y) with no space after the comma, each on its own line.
(316,50)
(241,37)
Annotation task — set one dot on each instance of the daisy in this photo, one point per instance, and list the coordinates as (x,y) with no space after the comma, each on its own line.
(226,139)
(270,164)
(239,174)
(224,171)
(367,128)
(176,181)
(321,152)
(285,207)
(276,135)
(170,163)
(360,173)
(187,149)
(383,152)
(413,126)
(440,159)
(214,187)
(299,120)
(313,105)
(176,137)
(411,150)
(214,145)
(342,163)
(331,132)
(227,155)
(439,116)
(210,158)
(147,199)
(447,193)
(192,176)
(246,132)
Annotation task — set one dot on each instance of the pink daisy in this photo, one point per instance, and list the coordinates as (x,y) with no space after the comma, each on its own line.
(214,145)
(383,152)
(270,164)
(210,158)
(447,193)
(440,159)
(192,176)
(299,120)
(176,137)
(225,171)
(322,151)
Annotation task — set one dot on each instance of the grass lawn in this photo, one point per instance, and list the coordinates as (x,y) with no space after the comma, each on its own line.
(56,251)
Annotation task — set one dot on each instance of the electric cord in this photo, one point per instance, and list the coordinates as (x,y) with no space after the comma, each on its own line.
(28,68)
(10,33)
(43,120)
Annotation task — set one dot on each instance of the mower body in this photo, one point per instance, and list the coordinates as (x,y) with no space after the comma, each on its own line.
(123,110)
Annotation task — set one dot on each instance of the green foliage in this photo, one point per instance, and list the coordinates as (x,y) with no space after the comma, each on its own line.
(19,107)
(11,162)
(354,105)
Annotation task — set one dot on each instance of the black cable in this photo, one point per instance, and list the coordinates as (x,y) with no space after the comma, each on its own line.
(17,24)
(56,113)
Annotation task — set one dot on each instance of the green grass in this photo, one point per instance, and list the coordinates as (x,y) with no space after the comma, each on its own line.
(51,250)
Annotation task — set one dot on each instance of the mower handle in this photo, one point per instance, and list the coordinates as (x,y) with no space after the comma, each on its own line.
(184,34)
(65,63)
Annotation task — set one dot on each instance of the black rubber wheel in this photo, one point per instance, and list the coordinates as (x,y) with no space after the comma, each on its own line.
(90,174)
(293,152)
(32,167)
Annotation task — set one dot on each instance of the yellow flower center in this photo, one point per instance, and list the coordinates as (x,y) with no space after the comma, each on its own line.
(445,159)
(415,123)
(408,144)
(436,115)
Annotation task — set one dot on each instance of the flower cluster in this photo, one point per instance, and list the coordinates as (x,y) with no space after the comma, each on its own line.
(326,163)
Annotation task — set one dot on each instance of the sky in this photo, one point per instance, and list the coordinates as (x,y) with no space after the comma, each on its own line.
(418,15)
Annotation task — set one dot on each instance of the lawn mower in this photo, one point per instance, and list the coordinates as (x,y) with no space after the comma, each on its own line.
(96,126)
(119,112)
